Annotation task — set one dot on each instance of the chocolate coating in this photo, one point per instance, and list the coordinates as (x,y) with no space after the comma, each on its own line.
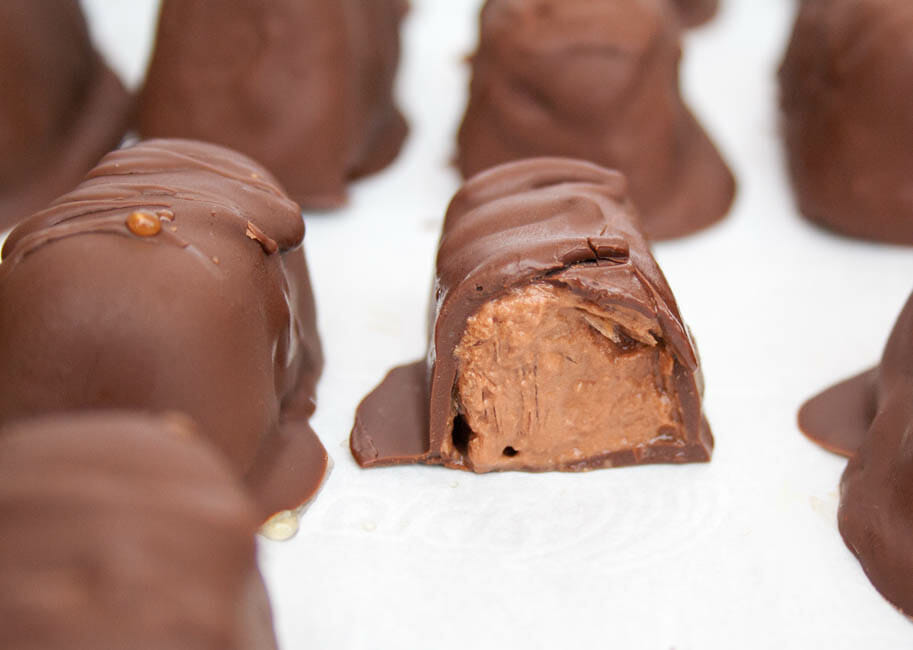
(125,531)
(847,105)
(61,108)
(303,86)
(696,12)
(212,315)
(551,223)
(870,419)
(596,81)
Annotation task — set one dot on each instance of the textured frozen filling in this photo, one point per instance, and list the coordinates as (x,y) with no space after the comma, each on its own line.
(547,380)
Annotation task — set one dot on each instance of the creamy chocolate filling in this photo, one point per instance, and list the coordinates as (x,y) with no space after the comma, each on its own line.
(547,380)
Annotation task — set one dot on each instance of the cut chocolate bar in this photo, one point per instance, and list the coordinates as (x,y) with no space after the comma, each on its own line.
(555,344)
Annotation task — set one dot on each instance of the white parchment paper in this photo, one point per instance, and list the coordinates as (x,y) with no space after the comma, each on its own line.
(740,553)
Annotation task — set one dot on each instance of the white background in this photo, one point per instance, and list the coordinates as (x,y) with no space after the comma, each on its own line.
(739,553)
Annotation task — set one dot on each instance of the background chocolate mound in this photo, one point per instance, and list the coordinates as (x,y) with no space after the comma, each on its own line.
(125,531)
(172,278)
(303,86)
(556,343)
(870,418)
(696,12)
(847,106)
(597,81)
(61,108)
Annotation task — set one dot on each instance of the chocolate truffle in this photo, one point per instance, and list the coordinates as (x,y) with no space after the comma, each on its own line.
(847,103)
(172,278)
(303,86)
(870,419)
(61,108)
(555,341)
(597,81)
(125,531)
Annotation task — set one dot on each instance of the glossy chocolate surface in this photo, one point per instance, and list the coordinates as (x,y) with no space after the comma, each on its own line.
(173,278)
(61,108)
(847,103)
(125,531)
(305,87)
(870,419)
(556,222)
(596,81)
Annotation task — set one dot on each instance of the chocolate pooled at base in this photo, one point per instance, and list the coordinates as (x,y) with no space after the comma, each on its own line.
(869,418)
(555,341)
(172,279)
(120,530)
(61,108)
(596,81)
(303,86)
(846,95)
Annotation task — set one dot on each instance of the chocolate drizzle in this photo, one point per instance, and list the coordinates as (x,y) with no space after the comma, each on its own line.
(268,244)
(97,316)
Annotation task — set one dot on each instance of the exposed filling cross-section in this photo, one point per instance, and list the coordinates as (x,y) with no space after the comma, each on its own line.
(547,380)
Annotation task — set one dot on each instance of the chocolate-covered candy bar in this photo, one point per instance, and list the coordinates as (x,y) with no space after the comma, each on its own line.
(555,344)
(847,113)
(303,86)
(61,108)
(870,419)
(125,531)
(597,81)
(172,278)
